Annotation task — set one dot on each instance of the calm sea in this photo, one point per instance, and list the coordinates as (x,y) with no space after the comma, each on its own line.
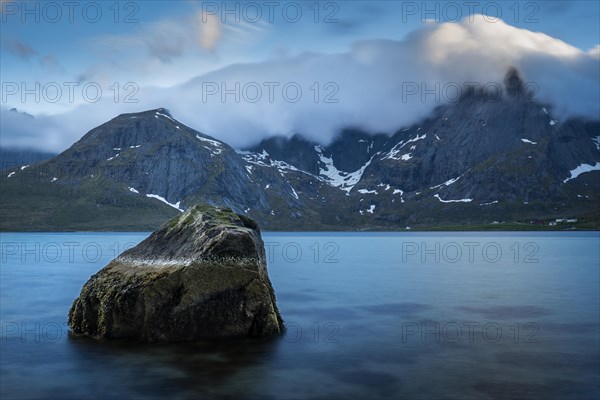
(411,315)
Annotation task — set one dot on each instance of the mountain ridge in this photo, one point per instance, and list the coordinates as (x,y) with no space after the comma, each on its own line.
(473,162)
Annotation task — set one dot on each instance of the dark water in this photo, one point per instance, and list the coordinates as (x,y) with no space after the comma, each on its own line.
(423,316)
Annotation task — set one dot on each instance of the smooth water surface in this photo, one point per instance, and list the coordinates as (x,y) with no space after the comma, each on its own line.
(411,315)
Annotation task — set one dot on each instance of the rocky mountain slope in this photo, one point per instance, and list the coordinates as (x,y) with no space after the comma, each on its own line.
(477,161)
(10,158)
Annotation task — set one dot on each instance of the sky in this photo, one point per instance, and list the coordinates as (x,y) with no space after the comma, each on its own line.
(241,71)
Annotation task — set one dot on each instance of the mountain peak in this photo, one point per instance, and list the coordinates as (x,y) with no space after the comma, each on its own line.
(23,113)
(513,83)
(163,111)
(149,113)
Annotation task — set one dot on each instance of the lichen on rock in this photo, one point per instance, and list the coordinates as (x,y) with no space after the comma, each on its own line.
(201,275)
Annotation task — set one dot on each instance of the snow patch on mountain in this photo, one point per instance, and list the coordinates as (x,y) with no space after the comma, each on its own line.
(294,193)
(596,141)
(263,160)
(207,140)
(216,146)
(165,115)
(448,182)
(582,169)
(393,153)
(490,203)
(160,198)
(336,178)
(365,191)
(255,158)
(401,192)
(528,141)
(452,201)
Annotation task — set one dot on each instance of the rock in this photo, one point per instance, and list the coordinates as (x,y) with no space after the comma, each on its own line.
(201,275)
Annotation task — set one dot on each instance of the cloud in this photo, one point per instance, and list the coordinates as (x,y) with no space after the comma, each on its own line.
(21,49)
(19,130)
(168,39)
(210,30)
(163,40)
(366,87)
(27,53)
(370,82)
(169,50)
(595,52)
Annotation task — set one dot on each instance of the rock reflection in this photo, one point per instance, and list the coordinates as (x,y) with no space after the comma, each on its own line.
(202,369)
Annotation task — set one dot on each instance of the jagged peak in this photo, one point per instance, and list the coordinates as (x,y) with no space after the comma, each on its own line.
(513,83)
(513,87)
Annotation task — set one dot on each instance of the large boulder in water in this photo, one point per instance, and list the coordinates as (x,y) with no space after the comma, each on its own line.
(201,275)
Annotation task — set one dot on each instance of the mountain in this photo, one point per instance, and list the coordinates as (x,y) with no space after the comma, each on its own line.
(146,162)
(16,157)
(480,161)
(11,158)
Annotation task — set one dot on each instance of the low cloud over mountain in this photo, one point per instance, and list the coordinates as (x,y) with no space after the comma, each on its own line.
(378,85)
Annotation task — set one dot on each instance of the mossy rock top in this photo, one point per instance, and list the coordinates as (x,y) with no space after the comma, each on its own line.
(202,232)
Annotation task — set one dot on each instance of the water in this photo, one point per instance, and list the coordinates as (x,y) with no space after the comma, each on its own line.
(451,316)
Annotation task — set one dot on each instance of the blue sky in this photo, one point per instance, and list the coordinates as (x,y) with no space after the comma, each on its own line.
(72,43)
(166,43)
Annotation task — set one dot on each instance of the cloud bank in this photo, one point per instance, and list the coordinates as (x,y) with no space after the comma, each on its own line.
(371,86)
